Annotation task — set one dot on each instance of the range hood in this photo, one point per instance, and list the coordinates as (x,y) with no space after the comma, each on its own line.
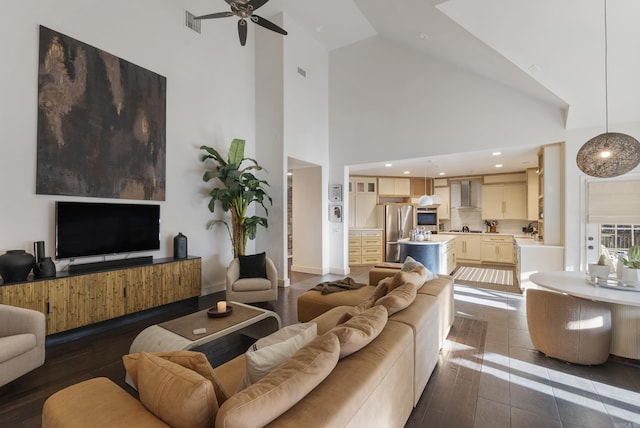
(465,194)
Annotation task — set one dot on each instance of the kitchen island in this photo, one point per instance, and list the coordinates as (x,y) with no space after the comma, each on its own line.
(436,254)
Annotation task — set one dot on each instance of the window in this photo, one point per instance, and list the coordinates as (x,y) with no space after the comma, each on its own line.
(617,238)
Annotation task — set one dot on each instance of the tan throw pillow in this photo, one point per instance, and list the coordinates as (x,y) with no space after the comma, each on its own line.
(382,288)
(281,389)
(399,298)
(271,351)
(358,309)
(360,330)
(417,277)
(195,361)
(175,394)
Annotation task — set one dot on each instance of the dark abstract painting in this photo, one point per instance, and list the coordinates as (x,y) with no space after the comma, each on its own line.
(101,123)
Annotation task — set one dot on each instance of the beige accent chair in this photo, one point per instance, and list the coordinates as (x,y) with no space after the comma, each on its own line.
(22,336)
(251,290)
(569,328)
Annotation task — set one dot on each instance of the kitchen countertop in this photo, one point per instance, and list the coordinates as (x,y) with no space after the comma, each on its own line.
(436,239)
(522,240)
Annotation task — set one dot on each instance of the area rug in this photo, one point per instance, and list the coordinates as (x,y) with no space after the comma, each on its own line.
(491,278)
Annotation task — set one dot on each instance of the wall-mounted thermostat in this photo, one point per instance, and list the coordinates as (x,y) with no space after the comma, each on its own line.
(335,193)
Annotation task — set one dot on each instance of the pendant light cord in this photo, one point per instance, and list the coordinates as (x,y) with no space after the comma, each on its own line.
(606,74)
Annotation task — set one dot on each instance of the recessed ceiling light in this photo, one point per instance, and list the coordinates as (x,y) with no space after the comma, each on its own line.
(496,153)
(407,172)
(499,165)
(388,165)
(424,36)
(441,173)
(289,173)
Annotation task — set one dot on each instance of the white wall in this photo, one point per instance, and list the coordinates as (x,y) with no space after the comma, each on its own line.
(292,120)
(575,204)
(387,102)
(210,100)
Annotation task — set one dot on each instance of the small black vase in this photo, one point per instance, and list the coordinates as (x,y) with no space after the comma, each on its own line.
(44,268)
(15,265)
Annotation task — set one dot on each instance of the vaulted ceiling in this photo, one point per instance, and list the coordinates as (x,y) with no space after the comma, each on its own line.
(553,50)
(550,49)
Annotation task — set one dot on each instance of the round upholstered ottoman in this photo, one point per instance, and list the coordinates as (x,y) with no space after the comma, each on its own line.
(569,328)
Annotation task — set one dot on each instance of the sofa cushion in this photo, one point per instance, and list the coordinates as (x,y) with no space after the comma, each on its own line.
(175,394)
(96,403)
(360,330)
(191,360)
(227,377)
(282,388)
(271,351)
(17,344)
(417,276)
(331,318)
(251,284)
(312,303)
(399,298)
(253,266)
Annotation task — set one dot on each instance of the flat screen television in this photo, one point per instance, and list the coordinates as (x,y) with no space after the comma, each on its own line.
(93,229)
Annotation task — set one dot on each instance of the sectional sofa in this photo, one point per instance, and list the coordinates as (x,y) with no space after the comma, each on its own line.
(367,366)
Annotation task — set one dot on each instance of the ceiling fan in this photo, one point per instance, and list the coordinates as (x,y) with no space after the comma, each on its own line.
(244,10)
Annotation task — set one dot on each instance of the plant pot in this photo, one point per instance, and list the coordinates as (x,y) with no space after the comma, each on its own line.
(15,265)
(599,271)
(630,276)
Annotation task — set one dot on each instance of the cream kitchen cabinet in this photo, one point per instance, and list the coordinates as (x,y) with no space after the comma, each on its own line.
(447,257)
(365,246)
(498,249)
(444,208)
(504,201)
(363,197)
(390,186)
(469,248)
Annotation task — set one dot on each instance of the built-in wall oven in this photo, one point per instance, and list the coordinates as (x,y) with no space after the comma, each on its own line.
(427,219)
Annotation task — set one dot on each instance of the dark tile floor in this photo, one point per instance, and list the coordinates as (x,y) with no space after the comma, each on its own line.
(488,374)
(517,385)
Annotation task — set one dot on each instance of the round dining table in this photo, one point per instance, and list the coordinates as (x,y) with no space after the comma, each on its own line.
(624,302)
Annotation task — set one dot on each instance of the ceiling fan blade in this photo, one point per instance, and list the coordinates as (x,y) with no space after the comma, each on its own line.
(215,15)
(257,4)
(242,31)
(267,24)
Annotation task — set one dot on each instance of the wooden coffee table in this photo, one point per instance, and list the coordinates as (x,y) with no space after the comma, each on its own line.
(178,334)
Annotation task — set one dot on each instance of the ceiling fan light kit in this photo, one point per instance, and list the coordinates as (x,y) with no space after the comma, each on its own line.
(610,154)
(244,9)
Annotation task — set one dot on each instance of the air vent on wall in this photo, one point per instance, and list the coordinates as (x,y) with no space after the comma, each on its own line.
(191,22)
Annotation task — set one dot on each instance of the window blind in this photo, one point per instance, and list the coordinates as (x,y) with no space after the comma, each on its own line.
(615,202)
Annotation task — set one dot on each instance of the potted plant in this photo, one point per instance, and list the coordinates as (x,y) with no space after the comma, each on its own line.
(600,269)
(239,189)
(629,267)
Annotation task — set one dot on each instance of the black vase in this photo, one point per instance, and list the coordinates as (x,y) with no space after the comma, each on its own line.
(15,265)
(45,268)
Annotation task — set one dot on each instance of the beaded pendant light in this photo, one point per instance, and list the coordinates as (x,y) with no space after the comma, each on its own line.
(610,154)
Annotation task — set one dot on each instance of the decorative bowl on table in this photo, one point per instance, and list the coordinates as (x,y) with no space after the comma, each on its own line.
(214,313)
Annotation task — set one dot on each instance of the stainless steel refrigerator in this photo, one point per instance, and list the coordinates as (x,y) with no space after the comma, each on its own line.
(397,222)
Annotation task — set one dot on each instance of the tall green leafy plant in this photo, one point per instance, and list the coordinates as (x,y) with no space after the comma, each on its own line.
(240,188)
